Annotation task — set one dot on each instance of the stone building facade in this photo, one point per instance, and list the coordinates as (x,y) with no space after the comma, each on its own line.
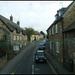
(61,34)
(12,32)
(37,36)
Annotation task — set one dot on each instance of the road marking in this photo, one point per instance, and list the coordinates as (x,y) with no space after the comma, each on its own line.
(37,69)
(51,67)
(12,73)
(32,69)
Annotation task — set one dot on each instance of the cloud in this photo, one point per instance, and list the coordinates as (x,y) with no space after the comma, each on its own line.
(36,14)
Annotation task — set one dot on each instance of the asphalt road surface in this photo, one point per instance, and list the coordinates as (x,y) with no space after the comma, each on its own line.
(26,63)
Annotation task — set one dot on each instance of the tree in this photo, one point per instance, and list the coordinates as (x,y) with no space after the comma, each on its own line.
(42,33)
(29,32)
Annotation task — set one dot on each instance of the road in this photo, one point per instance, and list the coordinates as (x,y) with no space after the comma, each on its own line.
(26,63)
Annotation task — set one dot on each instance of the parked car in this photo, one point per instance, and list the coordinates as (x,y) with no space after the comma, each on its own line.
(40,56)
(41,46)
(44,42)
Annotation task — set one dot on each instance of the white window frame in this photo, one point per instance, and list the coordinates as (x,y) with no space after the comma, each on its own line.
(53,29)
(17,37)
(16,47)
(14,38)
(57,47)
(59,14)
(56,28)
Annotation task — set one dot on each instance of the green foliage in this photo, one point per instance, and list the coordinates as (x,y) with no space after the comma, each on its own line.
(42,32)
(29,32)
(5,45)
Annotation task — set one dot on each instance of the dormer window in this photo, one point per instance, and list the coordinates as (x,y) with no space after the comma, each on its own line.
(60,13)
(56,16)
(14,30)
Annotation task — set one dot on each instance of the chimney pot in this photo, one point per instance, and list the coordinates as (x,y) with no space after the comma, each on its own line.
(18,23)
(11,18)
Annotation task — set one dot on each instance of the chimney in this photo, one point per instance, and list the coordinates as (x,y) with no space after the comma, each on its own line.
(11,18)
(18,23)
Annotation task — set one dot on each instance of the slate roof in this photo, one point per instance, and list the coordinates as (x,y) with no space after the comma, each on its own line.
(37,33)
(71,27)
(55,22)
(60,16)
(11,25)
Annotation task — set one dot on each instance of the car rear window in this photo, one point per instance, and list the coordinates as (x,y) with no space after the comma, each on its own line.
(40,53)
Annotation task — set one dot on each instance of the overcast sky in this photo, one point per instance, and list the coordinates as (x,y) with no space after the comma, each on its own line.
(36,14)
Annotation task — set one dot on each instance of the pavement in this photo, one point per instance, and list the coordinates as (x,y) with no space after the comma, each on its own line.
(10,64)
(55,64)
(6,67)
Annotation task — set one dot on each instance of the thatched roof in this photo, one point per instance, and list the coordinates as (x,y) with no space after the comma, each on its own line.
(11,25)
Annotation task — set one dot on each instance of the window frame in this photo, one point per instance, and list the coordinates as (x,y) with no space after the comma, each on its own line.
(17,37)
(56,28)
(49,31)
(57,47)
(52,29)
(14,38)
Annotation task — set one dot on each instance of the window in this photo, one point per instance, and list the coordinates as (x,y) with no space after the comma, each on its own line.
(37,37)
(56,28)
(49,31)
(14,31)
(16,47)
(17,37)
(57,47)
(50,45)
(53,30)
(20,38)
(25,43)
(59,13)
(24,38)
(14,37)
(56,17)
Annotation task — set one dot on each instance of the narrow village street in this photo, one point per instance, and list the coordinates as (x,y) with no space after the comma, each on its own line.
(37,37)
(24,63)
